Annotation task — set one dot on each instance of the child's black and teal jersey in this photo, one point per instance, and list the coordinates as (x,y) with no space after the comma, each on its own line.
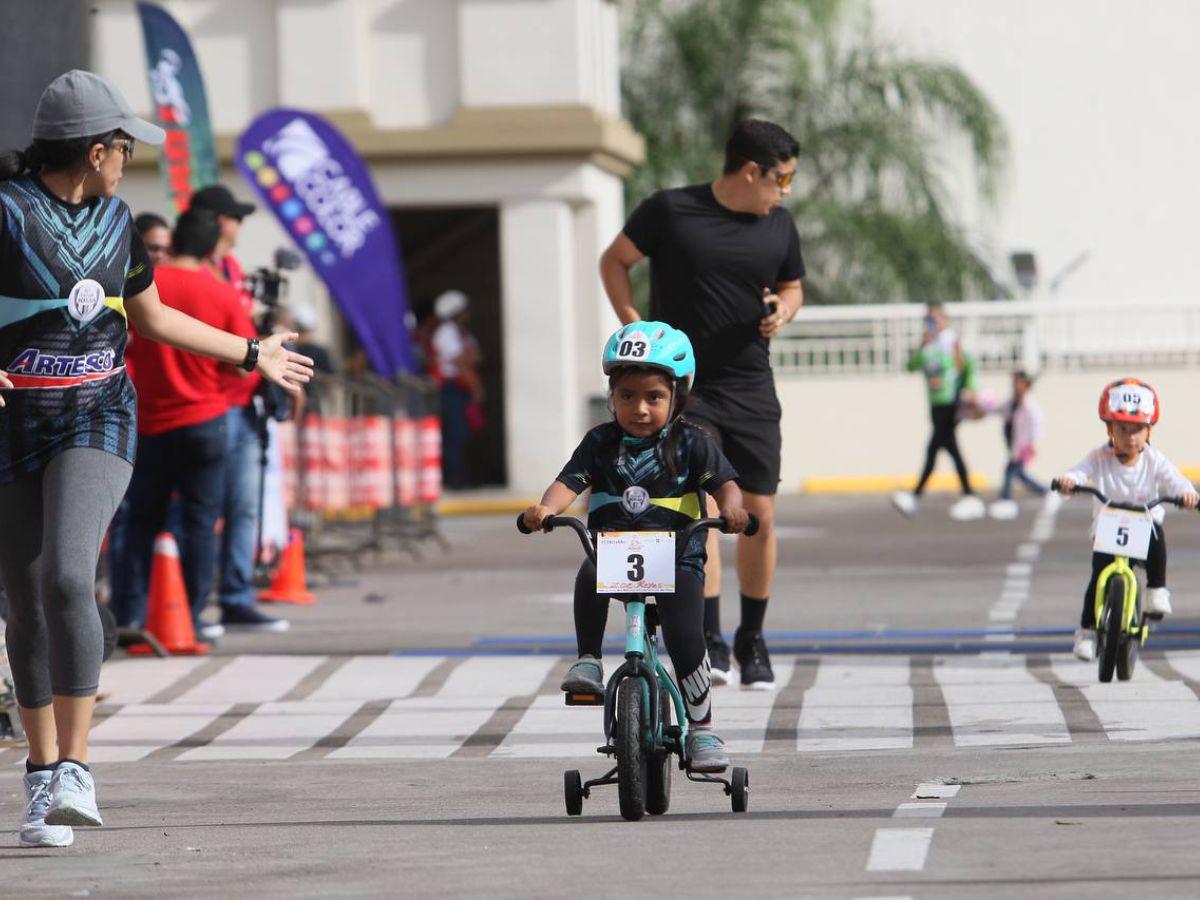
(632,490)
(65,270)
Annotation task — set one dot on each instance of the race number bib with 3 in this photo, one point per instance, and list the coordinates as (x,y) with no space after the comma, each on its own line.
(1122,532)
(635,562)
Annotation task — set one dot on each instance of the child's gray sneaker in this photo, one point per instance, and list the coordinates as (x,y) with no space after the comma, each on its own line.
(73,797)
(34,832)
(706,751)
(586,676)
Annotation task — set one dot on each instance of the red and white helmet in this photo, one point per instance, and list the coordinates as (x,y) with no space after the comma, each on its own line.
(1129,400)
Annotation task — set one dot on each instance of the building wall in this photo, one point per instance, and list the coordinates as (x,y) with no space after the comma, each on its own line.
(505,103)
(1097,98)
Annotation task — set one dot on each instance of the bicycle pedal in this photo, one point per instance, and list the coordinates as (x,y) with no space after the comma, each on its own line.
(578,699)
(1154,616)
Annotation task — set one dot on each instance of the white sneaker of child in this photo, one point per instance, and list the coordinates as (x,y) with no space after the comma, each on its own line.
(1158,601)
(906,502)
(967,509)
(1085,644)
(1004,510)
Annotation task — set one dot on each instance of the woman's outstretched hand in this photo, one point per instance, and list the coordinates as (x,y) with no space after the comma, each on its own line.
(5,384)
(282,366)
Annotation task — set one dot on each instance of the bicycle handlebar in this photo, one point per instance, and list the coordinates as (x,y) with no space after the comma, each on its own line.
(585,538)
(1132,507)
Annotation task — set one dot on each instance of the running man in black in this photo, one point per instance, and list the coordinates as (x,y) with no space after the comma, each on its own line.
(73,271)
(725,268)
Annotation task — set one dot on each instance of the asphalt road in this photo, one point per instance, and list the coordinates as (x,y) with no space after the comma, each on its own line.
(930,736)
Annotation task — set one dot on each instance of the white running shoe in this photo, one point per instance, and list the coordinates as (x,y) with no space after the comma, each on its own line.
(1158,600)
(1052,502)
(73,797)
(1004,510)
(1085,644)
(967,509)
(34,832)
(905,502)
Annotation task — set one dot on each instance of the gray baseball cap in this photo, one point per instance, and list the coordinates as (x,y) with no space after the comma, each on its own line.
(79,104)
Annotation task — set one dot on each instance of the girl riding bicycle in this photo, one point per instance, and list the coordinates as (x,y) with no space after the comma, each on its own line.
(646,470)
(1128,470)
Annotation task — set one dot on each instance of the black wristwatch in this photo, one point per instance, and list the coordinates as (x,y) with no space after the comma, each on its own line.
(250,363)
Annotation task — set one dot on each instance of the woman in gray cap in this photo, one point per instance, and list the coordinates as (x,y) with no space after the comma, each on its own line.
(73,271)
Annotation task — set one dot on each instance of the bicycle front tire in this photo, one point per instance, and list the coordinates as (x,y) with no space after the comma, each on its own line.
(1110,627)
(631,754)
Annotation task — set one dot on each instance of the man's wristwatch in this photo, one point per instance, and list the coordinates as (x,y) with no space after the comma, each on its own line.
(250,363)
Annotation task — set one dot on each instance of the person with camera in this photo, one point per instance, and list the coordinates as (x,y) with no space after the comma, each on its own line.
(245,433)
(181,428)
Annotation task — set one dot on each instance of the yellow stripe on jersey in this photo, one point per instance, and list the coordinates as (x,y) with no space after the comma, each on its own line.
(686,506)
(118,304)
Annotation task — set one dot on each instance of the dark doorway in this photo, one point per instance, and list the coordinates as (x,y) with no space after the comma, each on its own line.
(458,248)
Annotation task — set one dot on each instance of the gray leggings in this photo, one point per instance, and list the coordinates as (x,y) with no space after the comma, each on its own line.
(51,526)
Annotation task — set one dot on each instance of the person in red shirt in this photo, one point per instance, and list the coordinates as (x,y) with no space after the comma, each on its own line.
(181,427)
(244,428)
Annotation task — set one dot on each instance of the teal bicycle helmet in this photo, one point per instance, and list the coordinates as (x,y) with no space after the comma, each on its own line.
(655,345)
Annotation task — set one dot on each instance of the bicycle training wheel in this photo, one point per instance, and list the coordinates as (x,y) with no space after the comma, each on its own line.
(631,755)
(1109,637)
(658,772)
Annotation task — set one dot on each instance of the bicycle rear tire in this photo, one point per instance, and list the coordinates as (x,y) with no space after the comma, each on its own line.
(1109,636)
(631,753)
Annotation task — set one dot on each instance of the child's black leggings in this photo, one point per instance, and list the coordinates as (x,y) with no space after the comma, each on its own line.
(1156,573)
(682,617)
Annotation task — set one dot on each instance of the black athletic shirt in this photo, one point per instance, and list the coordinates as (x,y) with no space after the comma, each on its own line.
(65,269)
(632,491)
(708,268)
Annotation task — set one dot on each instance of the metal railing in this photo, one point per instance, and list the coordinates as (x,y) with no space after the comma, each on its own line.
(1002,335)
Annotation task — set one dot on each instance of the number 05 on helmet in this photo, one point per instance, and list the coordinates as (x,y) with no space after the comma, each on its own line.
(1129,400)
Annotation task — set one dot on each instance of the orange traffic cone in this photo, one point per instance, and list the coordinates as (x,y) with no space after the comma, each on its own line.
(170,617)
(289,584)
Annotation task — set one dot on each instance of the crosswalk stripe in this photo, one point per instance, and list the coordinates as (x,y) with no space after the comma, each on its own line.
(252,679)
(1146,708)
(137,730)
(137,680)
(376,677)
(412,707)
(276,730)
(994,700)
(858,703)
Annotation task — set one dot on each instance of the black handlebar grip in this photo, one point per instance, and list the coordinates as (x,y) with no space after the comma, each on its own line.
(521,526)
(1054,485)
(751,526)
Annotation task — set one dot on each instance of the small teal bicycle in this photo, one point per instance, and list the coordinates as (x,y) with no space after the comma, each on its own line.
(638,701)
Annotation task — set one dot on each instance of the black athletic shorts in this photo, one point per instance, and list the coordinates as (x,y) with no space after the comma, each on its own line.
(744,422)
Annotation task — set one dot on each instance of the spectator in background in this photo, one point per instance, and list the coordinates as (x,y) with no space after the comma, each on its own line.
(156,235)
(455,367)
(304,322)
(244,430)
(1022,432)
(949,379)
(181,430)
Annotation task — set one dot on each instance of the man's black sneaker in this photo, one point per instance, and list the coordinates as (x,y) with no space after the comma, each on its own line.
(750,650)
(718,657)
(247,618)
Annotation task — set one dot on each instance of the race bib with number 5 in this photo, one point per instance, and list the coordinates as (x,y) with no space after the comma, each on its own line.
(635,562)
(1121,532)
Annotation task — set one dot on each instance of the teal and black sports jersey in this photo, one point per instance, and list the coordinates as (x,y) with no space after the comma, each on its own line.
(631,489)
(65,269)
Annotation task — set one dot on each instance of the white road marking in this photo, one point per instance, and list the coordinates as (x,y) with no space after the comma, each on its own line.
(1146,708)
(995,701)
(420,728)
(276,730)
(252,679)
(934,790)
(376,678)
(1029,552)
(550,728)
(135,680)
(919,811)
(899,849)
(139,729)
(497,676)
(741,717)
(857,703)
